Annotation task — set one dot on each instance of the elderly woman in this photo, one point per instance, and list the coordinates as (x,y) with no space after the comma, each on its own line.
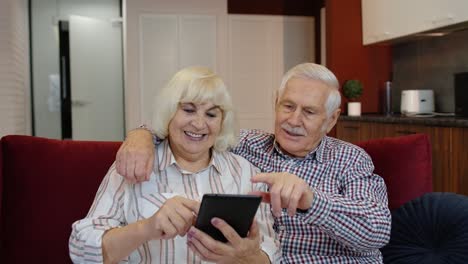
(148,222)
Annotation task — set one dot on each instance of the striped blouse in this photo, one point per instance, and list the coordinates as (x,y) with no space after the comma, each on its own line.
(118,203)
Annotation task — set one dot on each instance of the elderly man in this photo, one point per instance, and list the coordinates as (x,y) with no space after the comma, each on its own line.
(328,205)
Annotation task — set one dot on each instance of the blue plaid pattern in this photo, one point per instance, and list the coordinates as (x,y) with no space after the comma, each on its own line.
(349,219)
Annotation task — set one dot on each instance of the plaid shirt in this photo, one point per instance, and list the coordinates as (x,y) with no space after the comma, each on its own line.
(348,220)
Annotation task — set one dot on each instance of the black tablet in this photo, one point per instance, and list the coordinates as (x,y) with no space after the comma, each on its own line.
(237,210)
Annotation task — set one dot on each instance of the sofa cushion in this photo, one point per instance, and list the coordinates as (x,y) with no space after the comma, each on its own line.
(405,164)
(48,184)
(432,229)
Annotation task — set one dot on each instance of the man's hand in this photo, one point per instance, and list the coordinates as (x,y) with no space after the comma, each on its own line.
(175,217)
(286,191)
(135,157)
(236,250)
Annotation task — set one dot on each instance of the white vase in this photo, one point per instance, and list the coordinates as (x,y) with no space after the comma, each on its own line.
(354,108)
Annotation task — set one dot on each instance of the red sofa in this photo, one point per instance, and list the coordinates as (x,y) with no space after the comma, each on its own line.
(46,185)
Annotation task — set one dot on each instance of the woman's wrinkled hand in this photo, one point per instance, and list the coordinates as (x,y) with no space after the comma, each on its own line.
(174,218)
(236,250)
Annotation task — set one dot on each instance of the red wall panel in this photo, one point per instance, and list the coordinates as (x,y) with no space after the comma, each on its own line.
(349,59)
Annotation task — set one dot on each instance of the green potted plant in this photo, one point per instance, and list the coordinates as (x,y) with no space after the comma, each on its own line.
(352,90)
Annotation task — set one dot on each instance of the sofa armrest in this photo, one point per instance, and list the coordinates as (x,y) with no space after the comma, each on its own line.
(47,185)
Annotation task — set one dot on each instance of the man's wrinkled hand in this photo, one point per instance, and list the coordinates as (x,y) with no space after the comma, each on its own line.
(286,191)
(135,158)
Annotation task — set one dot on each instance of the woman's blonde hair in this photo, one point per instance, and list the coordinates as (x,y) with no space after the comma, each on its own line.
(195,85)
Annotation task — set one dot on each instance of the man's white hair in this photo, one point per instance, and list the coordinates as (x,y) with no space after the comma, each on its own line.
(317,72)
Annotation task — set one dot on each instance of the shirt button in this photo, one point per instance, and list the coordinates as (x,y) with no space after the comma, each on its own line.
(282,228)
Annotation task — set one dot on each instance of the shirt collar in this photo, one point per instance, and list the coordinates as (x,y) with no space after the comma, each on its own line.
(318,153)
(321,149)
(166,158)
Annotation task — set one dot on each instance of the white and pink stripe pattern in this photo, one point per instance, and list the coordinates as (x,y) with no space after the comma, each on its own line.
(118,203)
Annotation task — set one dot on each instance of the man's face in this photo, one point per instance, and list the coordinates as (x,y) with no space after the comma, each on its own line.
(301,118)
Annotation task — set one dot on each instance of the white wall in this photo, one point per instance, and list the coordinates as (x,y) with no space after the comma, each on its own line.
(169,42)
(261,49)
(137,12)
(15,117)
(14,88)
(250,52)
(45,51)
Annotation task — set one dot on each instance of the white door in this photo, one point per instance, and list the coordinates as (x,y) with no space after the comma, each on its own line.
(169,43)
(96,79)
(261,49)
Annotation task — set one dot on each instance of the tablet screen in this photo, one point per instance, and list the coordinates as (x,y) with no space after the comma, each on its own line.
(237,210)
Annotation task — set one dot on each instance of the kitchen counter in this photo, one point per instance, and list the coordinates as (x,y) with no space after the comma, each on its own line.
(442,121)
(448,137)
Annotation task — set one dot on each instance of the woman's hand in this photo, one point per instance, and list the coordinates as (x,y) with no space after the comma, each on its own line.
(175,217)
(236,250)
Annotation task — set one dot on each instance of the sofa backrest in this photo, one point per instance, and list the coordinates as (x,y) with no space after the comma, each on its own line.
(47,185)
(1,181)
(1,187)
(405,163)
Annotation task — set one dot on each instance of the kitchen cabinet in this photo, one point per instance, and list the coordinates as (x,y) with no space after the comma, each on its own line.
(388,19)
(380,131)
(460,158)
(449,156)
(348,131)
(354,131)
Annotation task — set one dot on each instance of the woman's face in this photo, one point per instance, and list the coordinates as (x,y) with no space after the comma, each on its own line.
(194,129)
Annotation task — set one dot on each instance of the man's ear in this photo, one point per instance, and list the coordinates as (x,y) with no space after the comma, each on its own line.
(276,100)
(333,119)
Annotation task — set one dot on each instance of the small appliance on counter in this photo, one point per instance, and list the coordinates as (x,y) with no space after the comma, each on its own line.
(461,94)
(386,98)
(416,102)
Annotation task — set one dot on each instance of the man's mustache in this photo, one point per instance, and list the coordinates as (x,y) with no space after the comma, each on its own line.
(294,130)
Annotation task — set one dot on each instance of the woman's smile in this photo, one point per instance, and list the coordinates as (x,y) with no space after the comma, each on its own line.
(195,136)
